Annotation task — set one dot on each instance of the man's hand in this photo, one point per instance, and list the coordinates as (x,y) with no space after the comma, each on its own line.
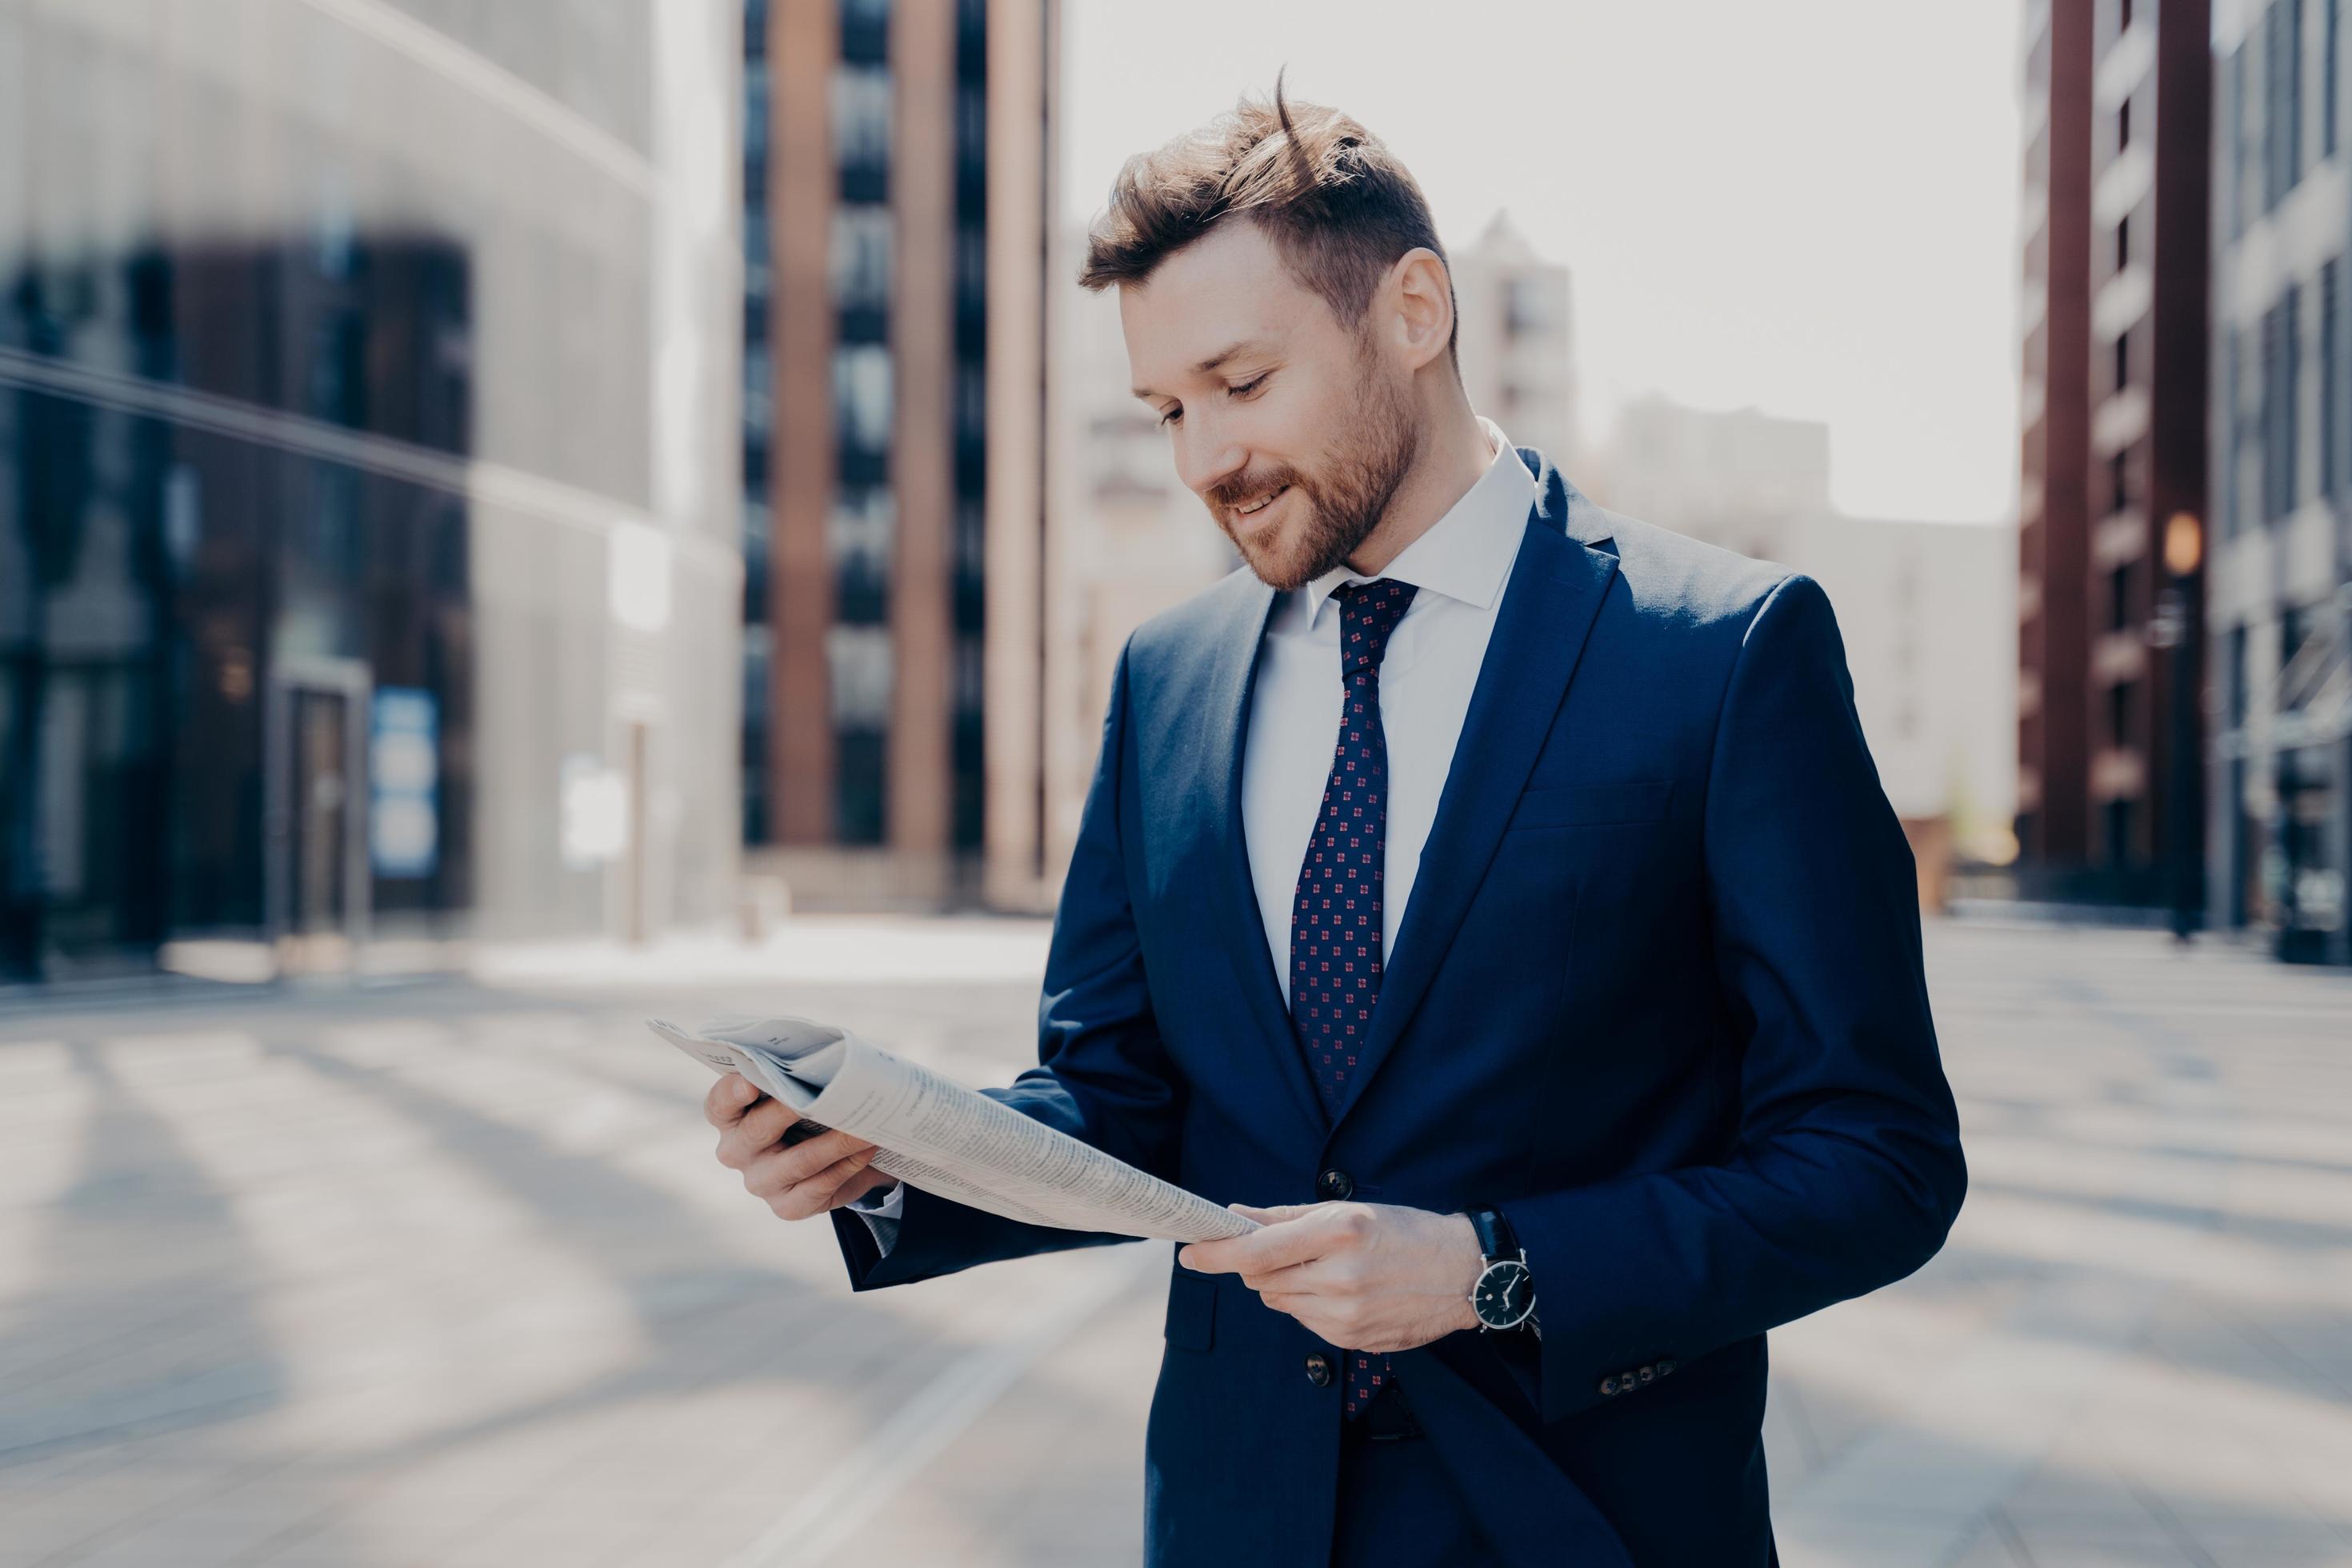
(1365,1277)
(798,1180)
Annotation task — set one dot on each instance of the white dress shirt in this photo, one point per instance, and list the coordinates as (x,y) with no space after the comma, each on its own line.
(1459,568)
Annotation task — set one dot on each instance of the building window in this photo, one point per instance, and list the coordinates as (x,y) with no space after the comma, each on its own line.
(2123,16)
(2122,242)
(2327,77)
(2234,77)
(2331,467)
(2123,125)
(2119,714)
(2237,677)
(2123,360)
(2291,635)
(2283,71)
(2120,598)
(861,395)
(859,263)
(2119,481)
(861,130)
(2281,376)
(860,534)
(2234,434)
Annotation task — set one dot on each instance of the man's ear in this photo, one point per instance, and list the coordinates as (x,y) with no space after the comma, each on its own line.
(1416,303)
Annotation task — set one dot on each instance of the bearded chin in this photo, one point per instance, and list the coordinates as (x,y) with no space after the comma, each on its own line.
(1363,479)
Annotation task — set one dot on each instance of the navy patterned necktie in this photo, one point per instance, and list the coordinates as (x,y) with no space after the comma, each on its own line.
(1336,919)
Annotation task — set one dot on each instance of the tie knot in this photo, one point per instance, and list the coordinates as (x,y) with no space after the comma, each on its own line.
(1369,612)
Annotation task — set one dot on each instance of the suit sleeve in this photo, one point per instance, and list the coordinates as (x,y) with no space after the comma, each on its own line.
(1101,1076)
(1846,1173)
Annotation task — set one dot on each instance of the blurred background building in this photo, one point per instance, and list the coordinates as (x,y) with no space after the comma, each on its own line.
(1514,318)
(897,188)
(1128,538)
(1923,607)
(2114,334)
(368,539)
(433,503)
(2279,586)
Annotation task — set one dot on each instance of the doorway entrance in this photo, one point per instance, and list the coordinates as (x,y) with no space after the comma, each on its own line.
(316,847)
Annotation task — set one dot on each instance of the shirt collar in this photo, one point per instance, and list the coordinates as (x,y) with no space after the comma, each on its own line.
(1466,553)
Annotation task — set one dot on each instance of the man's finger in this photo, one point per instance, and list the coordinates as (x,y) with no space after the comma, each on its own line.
(763,1124)
(753,1134)
(727,1099)
(1275,1216)
(1261,1251)
(814,1196)
(775,1169)
(1315,1277)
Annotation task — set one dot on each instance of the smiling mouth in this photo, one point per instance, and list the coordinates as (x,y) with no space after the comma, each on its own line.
(1261,506)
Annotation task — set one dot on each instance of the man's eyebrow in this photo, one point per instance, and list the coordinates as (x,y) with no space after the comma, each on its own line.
(1230,352)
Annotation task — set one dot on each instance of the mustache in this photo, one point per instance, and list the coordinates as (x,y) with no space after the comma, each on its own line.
(1234,494)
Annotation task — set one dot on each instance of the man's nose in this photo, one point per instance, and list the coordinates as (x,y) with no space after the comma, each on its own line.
(1208,460)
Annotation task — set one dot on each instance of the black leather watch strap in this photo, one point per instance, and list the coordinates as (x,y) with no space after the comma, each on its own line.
(1496,1238)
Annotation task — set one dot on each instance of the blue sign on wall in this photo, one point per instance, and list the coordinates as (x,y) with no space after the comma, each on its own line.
(405,781)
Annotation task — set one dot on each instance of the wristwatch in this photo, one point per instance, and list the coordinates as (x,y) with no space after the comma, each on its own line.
(1505,1295)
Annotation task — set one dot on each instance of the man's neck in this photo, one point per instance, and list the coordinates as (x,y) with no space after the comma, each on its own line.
(1455,460)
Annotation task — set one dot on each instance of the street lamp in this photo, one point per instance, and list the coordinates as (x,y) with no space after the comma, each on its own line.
(2175,628)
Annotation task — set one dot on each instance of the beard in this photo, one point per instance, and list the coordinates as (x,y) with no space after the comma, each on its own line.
(1342,502)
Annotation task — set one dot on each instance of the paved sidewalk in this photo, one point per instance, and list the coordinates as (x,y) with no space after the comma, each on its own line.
(444,1274)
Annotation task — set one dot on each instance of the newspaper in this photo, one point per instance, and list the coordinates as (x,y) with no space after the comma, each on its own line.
(932,1133)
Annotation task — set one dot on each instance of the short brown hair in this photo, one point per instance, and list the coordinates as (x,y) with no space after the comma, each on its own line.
(1337,203)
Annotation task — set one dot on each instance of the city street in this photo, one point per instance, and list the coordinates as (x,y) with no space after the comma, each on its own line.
(442,1273)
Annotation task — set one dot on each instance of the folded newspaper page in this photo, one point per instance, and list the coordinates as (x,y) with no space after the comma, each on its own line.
(932,1133)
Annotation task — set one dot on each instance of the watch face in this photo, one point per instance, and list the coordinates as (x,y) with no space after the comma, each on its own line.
(1505,1296)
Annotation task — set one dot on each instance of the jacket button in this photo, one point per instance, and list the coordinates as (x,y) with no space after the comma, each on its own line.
(1319,1370)
(1649,1374)
(1336,1184)
(1608,1387)
(1665,1367)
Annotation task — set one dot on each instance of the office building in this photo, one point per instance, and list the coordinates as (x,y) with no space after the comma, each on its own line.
(2279,572)
(897,199)
(368,561)
(2114,363)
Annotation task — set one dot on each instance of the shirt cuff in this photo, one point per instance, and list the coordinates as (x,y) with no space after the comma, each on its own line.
(881,1213)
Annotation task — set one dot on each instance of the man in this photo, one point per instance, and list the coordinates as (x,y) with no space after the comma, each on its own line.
(1565,1010)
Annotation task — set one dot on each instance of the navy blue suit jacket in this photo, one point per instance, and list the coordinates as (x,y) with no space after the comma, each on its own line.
(1657,995)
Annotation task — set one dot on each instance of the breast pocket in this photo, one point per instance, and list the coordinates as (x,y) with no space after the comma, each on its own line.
(1603,842)
(1631,801)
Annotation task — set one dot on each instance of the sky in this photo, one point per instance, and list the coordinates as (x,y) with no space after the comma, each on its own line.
(1811,207)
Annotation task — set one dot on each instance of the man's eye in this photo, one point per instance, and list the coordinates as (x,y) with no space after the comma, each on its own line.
(1176,416)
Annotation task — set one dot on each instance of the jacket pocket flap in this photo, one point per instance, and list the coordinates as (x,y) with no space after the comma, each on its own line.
(1191,1310)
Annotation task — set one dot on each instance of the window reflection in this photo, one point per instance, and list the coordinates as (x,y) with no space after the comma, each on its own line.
(167,564)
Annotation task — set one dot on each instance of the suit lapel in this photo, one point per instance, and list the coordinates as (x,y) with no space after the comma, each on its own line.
(1234,906)
(1555,590)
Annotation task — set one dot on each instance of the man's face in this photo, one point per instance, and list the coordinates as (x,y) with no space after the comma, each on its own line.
(1263,394)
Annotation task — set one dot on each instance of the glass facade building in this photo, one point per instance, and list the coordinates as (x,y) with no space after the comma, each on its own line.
(369,522)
